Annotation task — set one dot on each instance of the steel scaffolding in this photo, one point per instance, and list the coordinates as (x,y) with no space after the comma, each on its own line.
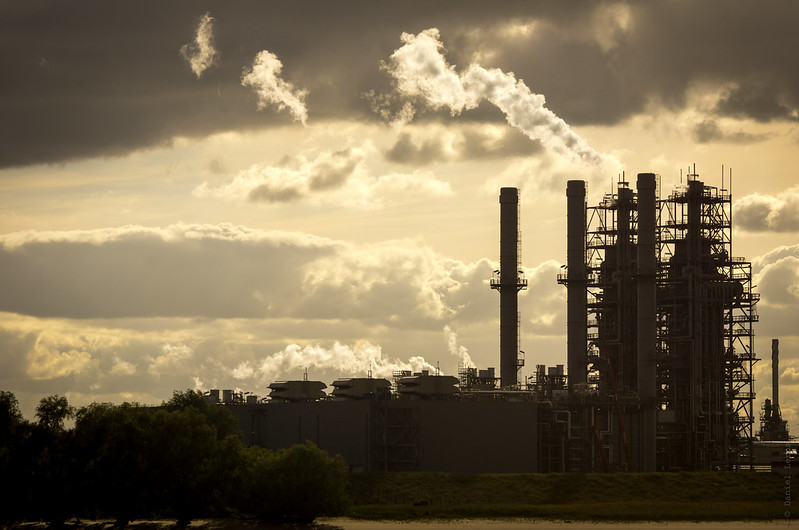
(706,309)
(705,306)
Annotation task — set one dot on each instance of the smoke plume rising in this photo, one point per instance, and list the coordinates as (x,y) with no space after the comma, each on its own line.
(201,54)
(458,350)
(264,77)
(422,73)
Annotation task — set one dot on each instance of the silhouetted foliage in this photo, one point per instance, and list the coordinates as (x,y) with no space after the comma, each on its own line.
(10,417)
(52,411)
(218,417)
(297,484)
(12,469)
(183,460)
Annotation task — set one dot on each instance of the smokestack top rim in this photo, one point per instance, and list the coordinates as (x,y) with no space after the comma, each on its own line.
(646,181)
(575,188)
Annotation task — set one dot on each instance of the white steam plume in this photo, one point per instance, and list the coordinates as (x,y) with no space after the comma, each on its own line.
(264,77)
(345,360)
(422,73)
(458,350)
(342,359)
(201,53)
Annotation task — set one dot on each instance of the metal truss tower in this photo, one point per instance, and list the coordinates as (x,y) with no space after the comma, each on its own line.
(706,310)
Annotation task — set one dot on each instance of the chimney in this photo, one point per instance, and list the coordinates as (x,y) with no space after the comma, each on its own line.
(576,303)
(775,373)
(647,314)
(509,283)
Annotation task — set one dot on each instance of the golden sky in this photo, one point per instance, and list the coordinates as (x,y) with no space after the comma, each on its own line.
(223,194)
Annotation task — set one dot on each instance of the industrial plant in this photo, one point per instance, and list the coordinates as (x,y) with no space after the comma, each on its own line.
(659,373)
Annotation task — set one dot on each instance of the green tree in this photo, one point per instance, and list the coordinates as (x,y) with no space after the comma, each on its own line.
(10,418)
(14,466)
(142,462)
(53,411)
(297,484)
(220,418)
(49,451)
(112,445)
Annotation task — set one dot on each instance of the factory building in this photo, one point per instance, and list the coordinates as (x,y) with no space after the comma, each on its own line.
(426,424)
(659,364)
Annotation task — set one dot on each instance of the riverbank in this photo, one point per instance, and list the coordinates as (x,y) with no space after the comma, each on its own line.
(419,500)
(345,523)
(583,497)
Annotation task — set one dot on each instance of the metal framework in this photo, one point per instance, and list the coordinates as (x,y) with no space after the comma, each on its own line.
(706,310)
(610,245)
(705,313)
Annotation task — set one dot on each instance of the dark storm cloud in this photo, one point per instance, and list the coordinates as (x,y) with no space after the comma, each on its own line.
(94,78)
(758,101)
(673,44)
(709,131)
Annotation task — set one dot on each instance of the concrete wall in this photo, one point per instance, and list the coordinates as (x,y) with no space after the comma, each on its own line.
(449,436)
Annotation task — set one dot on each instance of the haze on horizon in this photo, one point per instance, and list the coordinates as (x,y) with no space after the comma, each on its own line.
(221,195)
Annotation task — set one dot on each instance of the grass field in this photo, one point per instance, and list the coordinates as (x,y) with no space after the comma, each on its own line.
(619,497)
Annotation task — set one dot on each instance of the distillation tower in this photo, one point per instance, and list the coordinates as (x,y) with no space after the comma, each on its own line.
(660,334)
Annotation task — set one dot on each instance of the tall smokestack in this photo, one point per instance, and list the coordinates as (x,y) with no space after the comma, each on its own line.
(577,306)
(775,373)
(647,268)
(509,283)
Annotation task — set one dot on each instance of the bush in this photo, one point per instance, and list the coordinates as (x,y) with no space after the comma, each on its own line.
(297,484)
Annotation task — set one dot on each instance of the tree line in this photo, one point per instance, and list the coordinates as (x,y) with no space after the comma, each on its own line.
(183,460)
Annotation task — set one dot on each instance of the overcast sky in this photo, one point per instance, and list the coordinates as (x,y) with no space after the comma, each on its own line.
(209,195)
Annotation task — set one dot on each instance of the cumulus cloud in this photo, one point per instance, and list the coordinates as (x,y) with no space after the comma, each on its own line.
(133,271)
(757,212)
(224,271)
(338,178)
(48,361)
(776,275)
(133,313)
(778,279)
(170,357)
(122,367)
(422,74)
(547,313)
(709,131)
(431,144)
(264,78)
(201,54)
(294,180)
